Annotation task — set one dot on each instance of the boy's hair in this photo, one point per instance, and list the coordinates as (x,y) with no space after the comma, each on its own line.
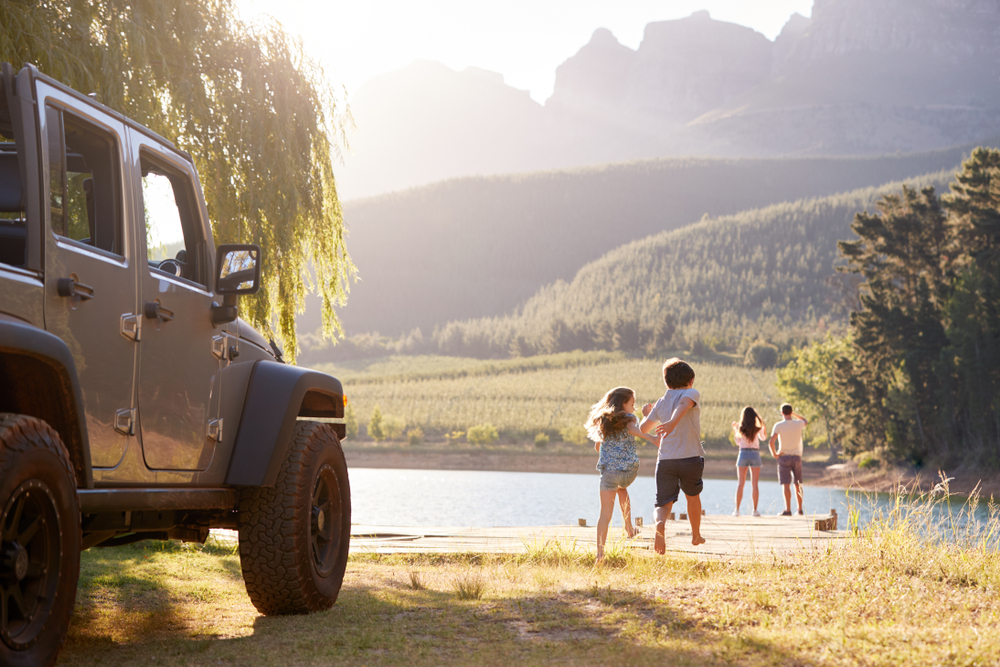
(786,408)
(607,416)
(677,373)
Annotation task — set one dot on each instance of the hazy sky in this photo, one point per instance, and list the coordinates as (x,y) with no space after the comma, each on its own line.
(525,40)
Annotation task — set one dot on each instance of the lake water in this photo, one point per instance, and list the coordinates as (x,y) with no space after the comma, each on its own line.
(465,498)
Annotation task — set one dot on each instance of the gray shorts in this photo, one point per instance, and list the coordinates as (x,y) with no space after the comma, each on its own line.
(789,466)
(748,458)
(675,475)
(612,480)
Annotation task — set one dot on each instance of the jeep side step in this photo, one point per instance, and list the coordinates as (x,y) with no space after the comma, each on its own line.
(139,499)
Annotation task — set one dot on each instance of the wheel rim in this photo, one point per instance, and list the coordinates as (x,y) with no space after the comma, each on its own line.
(324,538)
(29,563)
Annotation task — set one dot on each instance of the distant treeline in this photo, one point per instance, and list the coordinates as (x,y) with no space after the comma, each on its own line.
(720,284)
(480,246)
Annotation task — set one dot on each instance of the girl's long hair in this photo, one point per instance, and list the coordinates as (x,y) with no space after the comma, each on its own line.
(749,427)
(607,416)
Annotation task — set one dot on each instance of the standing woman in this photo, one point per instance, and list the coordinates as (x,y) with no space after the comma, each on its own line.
(750,431)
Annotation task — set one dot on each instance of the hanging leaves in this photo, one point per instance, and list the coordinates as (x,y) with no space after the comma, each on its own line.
(244,99)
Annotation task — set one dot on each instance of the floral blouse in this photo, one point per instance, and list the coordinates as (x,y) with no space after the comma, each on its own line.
(618,452)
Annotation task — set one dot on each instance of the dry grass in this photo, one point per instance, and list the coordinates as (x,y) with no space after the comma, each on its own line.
(915,587)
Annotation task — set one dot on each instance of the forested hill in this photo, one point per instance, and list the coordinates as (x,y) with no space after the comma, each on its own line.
(480,246)
(721,283)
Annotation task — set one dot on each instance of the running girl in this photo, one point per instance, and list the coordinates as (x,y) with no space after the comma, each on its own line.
(613,427)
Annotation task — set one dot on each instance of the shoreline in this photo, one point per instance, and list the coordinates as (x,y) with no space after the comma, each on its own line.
(816,473)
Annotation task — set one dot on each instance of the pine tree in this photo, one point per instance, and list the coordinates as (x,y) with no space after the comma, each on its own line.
(903,255)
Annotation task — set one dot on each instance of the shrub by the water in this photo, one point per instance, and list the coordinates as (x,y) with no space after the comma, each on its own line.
(482,434)
(351,421)
(393,427)
(375,428)
(575,435)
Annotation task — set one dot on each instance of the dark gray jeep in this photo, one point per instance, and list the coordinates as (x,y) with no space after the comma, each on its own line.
(134,403)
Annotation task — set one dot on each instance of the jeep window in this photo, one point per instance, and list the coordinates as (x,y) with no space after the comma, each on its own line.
(84,183)
(12,223)
(174,241)
(13,227)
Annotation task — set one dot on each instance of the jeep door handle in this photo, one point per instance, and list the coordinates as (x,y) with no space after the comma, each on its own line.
(154,311)
(69,287)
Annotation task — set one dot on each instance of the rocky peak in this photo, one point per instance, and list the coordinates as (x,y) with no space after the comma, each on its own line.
(793,29)
(949,30)
(688,66)
(596,77)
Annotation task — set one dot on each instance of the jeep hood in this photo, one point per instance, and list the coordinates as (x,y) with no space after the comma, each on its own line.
(246,332)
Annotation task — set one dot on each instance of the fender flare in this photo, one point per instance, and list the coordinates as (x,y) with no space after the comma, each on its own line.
(44,360)
(277,394)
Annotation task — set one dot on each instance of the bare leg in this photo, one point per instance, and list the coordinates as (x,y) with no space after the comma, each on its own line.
(626,505)
(694,516)
(659,540)
(798,494)
(787,490)
(754,478)
(741,477)
(607,508)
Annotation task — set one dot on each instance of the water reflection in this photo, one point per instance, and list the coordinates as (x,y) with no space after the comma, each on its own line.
(393,497)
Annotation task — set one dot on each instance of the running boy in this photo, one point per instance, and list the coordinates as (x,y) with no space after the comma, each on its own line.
(681,460)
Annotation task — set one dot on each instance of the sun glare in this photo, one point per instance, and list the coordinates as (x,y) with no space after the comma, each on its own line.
(524,40)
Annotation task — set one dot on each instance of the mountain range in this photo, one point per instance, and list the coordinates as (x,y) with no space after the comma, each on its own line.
(859,77)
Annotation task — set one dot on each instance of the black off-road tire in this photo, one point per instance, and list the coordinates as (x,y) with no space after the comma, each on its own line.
(39,541)
(295,536)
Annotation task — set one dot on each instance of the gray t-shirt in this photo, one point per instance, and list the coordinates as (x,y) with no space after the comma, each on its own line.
(684,441)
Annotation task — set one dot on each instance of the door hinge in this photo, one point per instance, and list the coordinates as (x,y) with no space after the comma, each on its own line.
(125,421)
(222,349)
(131,327)
(215,430)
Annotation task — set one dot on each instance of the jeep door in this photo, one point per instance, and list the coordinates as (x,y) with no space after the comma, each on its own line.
(180,355)
(90,282)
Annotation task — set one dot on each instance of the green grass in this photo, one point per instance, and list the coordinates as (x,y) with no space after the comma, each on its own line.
(904,590)
(523,397)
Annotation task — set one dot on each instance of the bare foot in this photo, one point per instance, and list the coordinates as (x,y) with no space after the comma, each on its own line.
(630,531)
(659,541)
(697,540)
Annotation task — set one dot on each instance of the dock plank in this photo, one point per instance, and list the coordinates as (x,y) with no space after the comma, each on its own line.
(726,537)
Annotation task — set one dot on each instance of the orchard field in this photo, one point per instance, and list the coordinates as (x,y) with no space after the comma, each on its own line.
(550,394)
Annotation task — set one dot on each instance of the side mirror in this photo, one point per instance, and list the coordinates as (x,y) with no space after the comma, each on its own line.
(238,266)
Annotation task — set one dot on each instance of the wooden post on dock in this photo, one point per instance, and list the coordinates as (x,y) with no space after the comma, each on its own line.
(830,523)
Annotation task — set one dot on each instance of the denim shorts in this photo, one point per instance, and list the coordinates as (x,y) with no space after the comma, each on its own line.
(612,480)
(789,466)
(748,458)
(675,475)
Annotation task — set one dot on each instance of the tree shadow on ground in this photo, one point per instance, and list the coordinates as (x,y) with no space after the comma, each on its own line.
(395,624)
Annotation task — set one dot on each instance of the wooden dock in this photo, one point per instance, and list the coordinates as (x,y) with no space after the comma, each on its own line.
(726,537)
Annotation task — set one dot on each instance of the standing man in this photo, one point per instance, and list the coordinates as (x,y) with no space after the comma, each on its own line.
(788,433)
